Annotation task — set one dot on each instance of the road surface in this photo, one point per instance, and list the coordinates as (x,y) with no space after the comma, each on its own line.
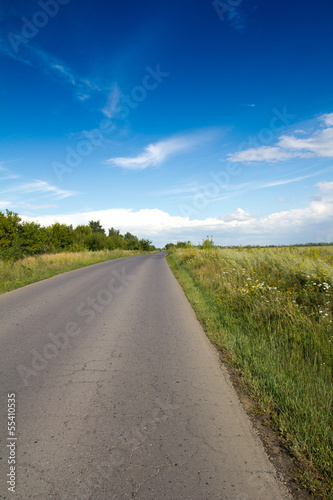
(118,394)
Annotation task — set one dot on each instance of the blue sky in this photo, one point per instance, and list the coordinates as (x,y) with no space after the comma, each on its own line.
(173,120)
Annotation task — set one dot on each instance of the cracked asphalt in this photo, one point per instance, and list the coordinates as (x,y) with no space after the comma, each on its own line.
(120,395)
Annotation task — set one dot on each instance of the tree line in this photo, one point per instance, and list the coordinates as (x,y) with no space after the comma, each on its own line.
(19,239)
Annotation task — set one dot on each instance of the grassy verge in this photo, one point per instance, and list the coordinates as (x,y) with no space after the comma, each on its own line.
(270,311)
(31,269)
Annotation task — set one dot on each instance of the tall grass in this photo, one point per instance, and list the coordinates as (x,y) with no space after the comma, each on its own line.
(271,311)
(31,269)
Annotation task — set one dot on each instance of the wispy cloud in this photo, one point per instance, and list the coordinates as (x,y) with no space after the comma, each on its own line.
(112,101)
(155,154)
(7,174)
(42,187)
(191,191)
(318,144)
(264,153)
(35,57)
(38,207)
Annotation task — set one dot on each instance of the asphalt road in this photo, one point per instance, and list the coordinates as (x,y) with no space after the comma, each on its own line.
(119,394)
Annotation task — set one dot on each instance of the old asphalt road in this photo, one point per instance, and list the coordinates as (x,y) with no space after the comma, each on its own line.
(119,395)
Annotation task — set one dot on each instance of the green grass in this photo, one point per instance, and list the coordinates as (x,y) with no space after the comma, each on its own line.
(31,269)
(270,311)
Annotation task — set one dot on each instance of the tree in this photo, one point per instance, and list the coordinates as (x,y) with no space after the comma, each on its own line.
(145,244)
(32,239)
(19,239)
(96,227)
(96,241)
(80,236)
(168,246)
(60,236)
(208,243)
(114,232)
(129,236)
(9,227)
(9,235)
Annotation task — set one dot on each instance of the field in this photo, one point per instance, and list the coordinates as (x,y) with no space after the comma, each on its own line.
(14,274)
(270,311)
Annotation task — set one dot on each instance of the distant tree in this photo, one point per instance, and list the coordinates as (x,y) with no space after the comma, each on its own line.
(61,236)
(83,230)
(181,244)
(116,242)
(9,235)
(129,236)
(114,232)
(19,239)
(208,243)
(132,242)
(96,241)
(96,227)
(168,246)
(32,239)
(80,237)
(145,244)
(9,227)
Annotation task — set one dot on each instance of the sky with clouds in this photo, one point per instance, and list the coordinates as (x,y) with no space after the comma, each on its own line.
(173,120)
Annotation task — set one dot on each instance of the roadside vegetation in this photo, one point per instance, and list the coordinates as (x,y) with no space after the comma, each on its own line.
(270,311)
(15,274)
(30,252)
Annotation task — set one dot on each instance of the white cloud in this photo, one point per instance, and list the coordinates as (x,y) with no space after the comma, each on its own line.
(5,204)
(327,119)
(7,174)
(318,144)
(238,215)
(312,223)
(265,153)
(325,187)
(155,154)
(281,200)
(43,187)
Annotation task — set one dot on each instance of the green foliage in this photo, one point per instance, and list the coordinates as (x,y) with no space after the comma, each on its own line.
(114,232)
(170,246)
(180,244)
(145,244)
(208,243)
(31,269)
(271,311)
(21,239)
(96,227)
